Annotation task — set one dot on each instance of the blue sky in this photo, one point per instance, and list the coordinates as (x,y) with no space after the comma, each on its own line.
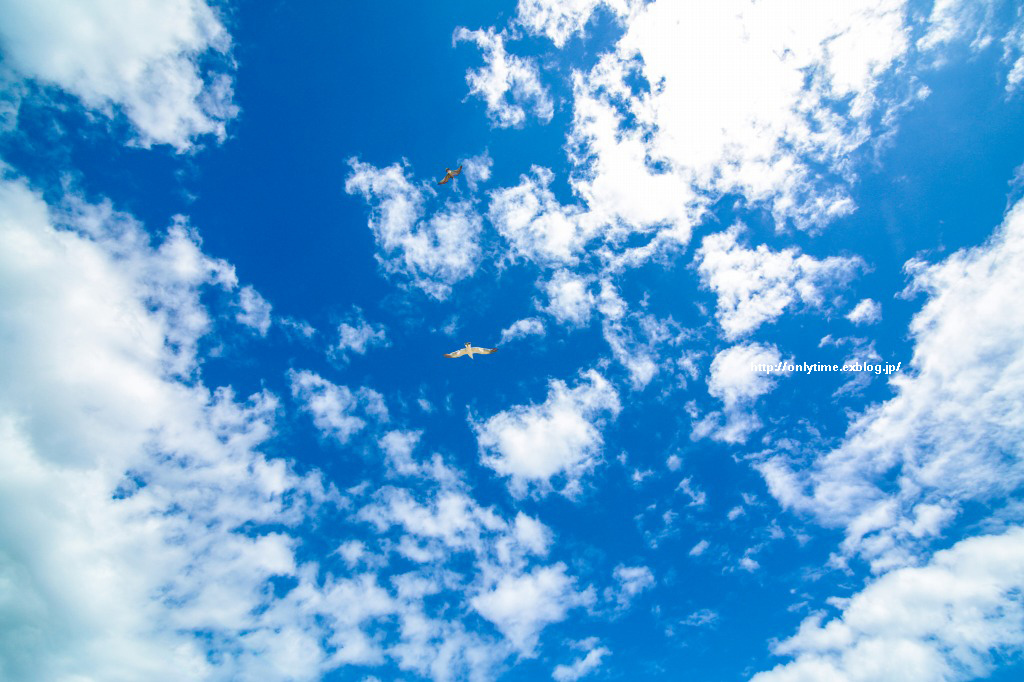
(232,449)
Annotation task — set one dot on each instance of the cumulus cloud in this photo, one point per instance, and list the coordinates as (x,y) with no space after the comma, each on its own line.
(632,581)
(557,439)
(945,436)
(356,335)
(536,225)
(581,667)
(520,606)
(767,146)
(530,326)
(820,81)
(561,19)
(146,60)
(824,84)
(508,84)
(738,387)
(755,286)
(441,529)
(139,477)
(255,310)
(434,253)
(569,298)
(865,312)
(338,411)
(477,169)
(945,620)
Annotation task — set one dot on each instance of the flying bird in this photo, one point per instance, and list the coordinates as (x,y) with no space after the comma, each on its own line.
(449,174)
(470,350)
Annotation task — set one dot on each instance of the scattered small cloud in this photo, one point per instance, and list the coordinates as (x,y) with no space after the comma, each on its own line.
(255,310)
(865,312)
(530,326)
(560,438)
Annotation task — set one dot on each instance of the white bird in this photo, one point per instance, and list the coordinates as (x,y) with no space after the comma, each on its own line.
(470,350)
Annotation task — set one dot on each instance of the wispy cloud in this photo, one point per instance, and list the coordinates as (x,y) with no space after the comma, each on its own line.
(954,416)
(508,84)
(255,310)
(433,253)
(755,286)
(356,335)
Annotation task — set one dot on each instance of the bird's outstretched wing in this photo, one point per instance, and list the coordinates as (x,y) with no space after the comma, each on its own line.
(446,179)
(458,171)
(484,351)
(456,354)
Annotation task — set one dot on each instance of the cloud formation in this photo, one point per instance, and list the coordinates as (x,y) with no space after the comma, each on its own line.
(509,85)
(942,621)
(755,286)
(433,253)
(536,445)
(946,433)
(147,60)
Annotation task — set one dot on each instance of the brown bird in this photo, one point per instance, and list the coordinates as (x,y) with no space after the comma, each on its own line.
(470,350)
(449,174)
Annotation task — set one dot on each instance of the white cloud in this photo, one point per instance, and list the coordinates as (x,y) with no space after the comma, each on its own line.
(298,328)
(865,312)
(352,551)
(754,286)
(701,617)
(731,379)
(477,169)
(137,475)
(535,444)
(357,335)
(530,326)
(434,253)
(699,548)
(398,446)
(338,411)
(450,517)
(508,84)
(255,310)
(142,59)
(536,225)
(581,666)
(958,410)
(762,145)
(738,387)
(569,298)
(824,85)
(696,495)
(560,19)
(632,581)
(943,621)
(634,339)
(522,605)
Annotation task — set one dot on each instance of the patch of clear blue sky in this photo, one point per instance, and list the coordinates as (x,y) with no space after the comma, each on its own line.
(318,84)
